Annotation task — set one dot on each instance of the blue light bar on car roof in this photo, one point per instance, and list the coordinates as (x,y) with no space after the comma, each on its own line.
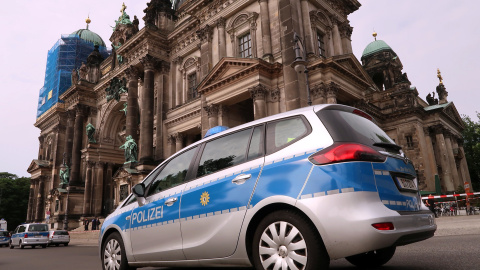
(215,130)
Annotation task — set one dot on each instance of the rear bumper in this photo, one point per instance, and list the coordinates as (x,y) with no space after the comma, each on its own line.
(345,223)
(34,241)
(59,241)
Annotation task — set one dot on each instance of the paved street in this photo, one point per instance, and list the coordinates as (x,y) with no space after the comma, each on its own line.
(455,246)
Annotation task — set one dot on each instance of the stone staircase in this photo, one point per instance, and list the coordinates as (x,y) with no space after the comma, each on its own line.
(79,236)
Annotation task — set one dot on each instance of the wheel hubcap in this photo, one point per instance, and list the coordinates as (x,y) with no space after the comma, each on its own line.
(112,255)
(282,246)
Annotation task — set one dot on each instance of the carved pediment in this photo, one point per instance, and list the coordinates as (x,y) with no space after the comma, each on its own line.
(229,69)
(37,165)
(452,113)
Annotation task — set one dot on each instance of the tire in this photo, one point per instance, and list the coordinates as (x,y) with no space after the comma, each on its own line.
(372,259)
(20,244)
(66,244)
(112,249)
(44,246)
(33,246)
(57,245)
(289,241)
(11,245)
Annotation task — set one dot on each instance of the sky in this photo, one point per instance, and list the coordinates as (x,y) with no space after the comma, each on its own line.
(426,35)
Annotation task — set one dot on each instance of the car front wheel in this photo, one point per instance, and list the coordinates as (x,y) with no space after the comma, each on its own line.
(373,258)
(113,253)
(286,240)
(11,245)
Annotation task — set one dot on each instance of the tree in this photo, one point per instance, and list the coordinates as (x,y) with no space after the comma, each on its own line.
(14,194)
(471,145)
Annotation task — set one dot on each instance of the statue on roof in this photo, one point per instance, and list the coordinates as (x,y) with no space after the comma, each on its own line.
(74,76)
(90,133)
(441,90)
(431,100)
(83,72)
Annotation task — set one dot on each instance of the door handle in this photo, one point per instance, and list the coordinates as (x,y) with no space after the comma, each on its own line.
(127,217)
(240,179)
(170,201)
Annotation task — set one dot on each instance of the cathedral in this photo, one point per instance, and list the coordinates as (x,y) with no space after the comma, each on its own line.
(200,64)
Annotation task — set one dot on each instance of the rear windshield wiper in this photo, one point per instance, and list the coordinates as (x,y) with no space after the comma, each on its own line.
(388,145)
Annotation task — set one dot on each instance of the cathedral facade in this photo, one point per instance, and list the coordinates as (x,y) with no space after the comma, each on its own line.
(200,64)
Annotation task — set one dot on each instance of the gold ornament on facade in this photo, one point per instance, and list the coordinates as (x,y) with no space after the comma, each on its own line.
(88,21)
(122,10)
(374,35)
(439,75)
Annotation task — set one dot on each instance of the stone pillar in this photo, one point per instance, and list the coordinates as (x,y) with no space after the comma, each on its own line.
(212,112)
(161,106)
(146,115)
(346,34)
(171,144)
(41,139)
(464,166)
(273,104)
(30,201)
(132,103)
(429,159)
(189,139)
(180,79)
(206,35)
(451,160)
(458,159)
(332,92)
(440,148)
(77,145)
(108,190)
(318,93)
(223,115)
(39,211)
(331,49)
(222,41)
(307,28)
(337,41)
(266,35)
(98,189)
(87,196)
(178,141)
(173,96)
(259,105)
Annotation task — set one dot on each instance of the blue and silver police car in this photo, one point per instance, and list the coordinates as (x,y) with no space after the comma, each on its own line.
(290,191)
(4,238)
(30,234)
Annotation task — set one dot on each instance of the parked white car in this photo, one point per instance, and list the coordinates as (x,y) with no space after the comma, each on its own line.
(57,237)
(30,234)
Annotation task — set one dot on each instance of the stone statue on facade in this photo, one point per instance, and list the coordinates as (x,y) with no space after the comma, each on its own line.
(431,99)
(65,175)
(117,87)
(83,72)
(130,147)
(74,76)
(90,133)
(124,108)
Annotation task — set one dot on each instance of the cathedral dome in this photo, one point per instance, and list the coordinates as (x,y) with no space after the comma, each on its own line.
(375,46)
(90,36)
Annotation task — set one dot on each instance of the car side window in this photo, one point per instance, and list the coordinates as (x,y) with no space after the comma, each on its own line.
(21,229)
(173,174)
(284,132)
(256,144)
(224,152)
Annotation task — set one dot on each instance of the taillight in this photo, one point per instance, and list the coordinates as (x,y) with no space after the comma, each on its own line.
(25,236)
(342,152)
(386,226)
(362,114)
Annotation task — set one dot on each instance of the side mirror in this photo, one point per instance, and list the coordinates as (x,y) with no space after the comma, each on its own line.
(139,190)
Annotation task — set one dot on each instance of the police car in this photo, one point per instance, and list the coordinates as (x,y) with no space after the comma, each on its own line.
(290,191)
(4,238)
(30,234)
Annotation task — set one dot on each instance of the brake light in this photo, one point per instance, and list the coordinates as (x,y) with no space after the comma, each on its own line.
(343,152)
(386,226)
(25,236)
(362,114)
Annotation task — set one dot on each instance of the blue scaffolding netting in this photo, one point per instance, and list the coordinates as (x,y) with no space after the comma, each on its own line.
(67,54)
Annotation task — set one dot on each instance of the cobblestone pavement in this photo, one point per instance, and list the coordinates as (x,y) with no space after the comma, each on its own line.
(457,225)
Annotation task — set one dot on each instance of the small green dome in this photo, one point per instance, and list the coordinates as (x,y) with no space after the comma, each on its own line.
(375,46)
(90,36)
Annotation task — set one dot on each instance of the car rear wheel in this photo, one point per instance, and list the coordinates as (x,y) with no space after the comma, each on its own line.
(11,245)
(113,253)
(57,245)
(373,258)
(286,240)
(44,246)
(20,244)
(66,244)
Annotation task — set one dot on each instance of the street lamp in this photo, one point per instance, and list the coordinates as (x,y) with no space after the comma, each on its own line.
(300,63)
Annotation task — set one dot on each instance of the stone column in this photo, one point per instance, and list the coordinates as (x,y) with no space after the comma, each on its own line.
(266,35)
(206,35)
(346,34)
(171,144)
(161,106)
(332,92)
(440,148)
(178,141)
(41,139)
(223,115)
(30,201)
(464,166)
(458,159)
(108,190)
(337,41)
(173,97)
(273,104)
(87,196)
(318,93)
(212,112)
(98,189)
(253,33)
(331,50)
(429,159)
(146,115)
(39,215)
(307,28)
(259,105)
(132,74)
(222,41)
(451,159)
(77,145)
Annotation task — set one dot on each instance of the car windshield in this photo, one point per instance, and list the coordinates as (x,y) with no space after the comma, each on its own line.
(38,228)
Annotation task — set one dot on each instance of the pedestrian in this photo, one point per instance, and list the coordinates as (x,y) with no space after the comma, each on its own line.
(86,222)
(98,223)
(94,223)
(431,204)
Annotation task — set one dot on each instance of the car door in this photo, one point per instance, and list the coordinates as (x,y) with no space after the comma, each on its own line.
(214,204)
(155,227)
(19,233)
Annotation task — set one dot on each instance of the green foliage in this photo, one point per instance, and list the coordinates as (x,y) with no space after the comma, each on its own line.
(471,145)
(14,194)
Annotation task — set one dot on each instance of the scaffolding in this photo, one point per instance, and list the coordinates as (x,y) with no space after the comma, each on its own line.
(67,54)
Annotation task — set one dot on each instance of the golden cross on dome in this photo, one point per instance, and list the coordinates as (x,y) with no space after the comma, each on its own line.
(123,8)
(439,75)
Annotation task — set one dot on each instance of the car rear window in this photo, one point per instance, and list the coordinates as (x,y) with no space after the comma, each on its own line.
(3,233)
(61,233)
(348,127)
(38,228)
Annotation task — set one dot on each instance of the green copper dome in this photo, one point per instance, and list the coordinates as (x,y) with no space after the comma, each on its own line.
(375,46)
(90,36)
